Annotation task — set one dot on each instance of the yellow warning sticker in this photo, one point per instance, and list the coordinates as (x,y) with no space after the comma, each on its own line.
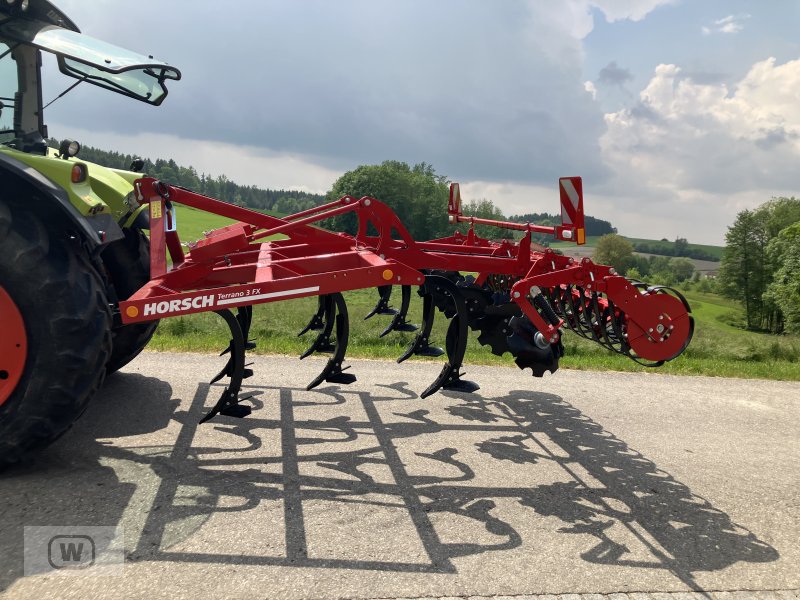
(155,210)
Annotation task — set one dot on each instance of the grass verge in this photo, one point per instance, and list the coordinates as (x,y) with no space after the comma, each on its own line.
(718,348)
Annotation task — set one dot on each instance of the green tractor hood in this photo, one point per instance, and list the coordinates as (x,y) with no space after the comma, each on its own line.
(103,190)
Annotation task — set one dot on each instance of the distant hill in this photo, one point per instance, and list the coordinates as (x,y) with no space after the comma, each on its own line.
(702,252)
(680,247)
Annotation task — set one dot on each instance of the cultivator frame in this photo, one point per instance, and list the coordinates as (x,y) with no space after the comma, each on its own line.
(520,299)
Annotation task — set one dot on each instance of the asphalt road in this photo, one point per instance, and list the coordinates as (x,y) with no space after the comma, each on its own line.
(593,483)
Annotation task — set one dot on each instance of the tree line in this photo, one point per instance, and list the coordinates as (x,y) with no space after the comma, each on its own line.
(618,252)
(275,201)
(416,193)
(594,226)
(761,265)
(419,196)
(680,247)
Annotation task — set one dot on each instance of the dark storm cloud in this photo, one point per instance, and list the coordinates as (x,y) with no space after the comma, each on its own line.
(612,74)
(480,90)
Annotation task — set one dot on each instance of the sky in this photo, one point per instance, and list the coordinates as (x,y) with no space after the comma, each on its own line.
(678,114)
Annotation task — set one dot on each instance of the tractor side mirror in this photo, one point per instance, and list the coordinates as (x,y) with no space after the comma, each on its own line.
(137,165)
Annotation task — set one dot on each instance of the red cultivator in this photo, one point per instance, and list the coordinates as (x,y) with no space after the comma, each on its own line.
(519,300)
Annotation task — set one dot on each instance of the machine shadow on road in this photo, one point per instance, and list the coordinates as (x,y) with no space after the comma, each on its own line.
(334,478)
(681,531)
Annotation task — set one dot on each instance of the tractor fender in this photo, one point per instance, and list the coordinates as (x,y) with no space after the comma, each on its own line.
(55,208)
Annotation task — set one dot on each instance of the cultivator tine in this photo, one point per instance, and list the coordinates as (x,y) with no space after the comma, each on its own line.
(456,342)
(229,402)
(333,371)
(420,345)
(317,321)
(244,317)
(399,322)
(382,307)
(322,343)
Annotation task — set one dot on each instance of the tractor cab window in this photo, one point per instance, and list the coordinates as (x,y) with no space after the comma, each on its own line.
(94,61)
(9,83)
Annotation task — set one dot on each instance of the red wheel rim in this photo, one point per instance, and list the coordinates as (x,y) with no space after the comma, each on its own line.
(13,346)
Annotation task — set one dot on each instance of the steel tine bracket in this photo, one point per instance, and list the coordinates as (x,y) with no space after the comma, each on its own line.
(420,346)
(317,321)
(333,371)
(228,403)
(457,332)
(399,322)
(382,307)
(322,343)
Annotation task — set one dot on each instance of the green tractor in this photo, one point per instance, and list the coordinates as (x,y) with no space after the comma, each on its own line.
(71,234)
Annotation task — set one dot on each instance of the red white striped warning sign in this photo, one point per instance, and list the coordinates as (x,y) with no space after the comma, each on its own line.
(571,191)
(571,199)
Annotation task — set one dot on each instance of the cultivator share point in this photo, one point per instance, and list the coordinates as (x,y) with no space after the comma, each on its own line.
(519,299)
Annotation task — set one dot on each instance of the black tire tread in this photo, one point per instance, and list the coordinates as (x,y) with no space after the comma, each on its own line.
(127,264)
(61,295)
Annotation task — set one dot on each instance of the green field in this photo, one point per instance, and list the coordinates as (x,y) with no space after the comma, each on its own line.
(718,348)
(193,222)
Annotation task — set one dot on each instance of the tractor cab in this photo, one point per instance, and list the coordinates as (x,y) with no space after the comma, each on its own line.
(28,27)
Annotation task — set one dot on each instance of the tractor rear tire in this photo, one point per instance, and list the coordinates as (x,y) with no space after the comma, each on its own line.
(127,264)
(54,298)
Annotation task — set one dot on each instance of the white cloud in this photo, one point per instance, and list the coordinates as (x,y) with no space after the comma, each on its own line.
(687,147)
(575,16)
(632,10)
(591,89)
(729,24)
